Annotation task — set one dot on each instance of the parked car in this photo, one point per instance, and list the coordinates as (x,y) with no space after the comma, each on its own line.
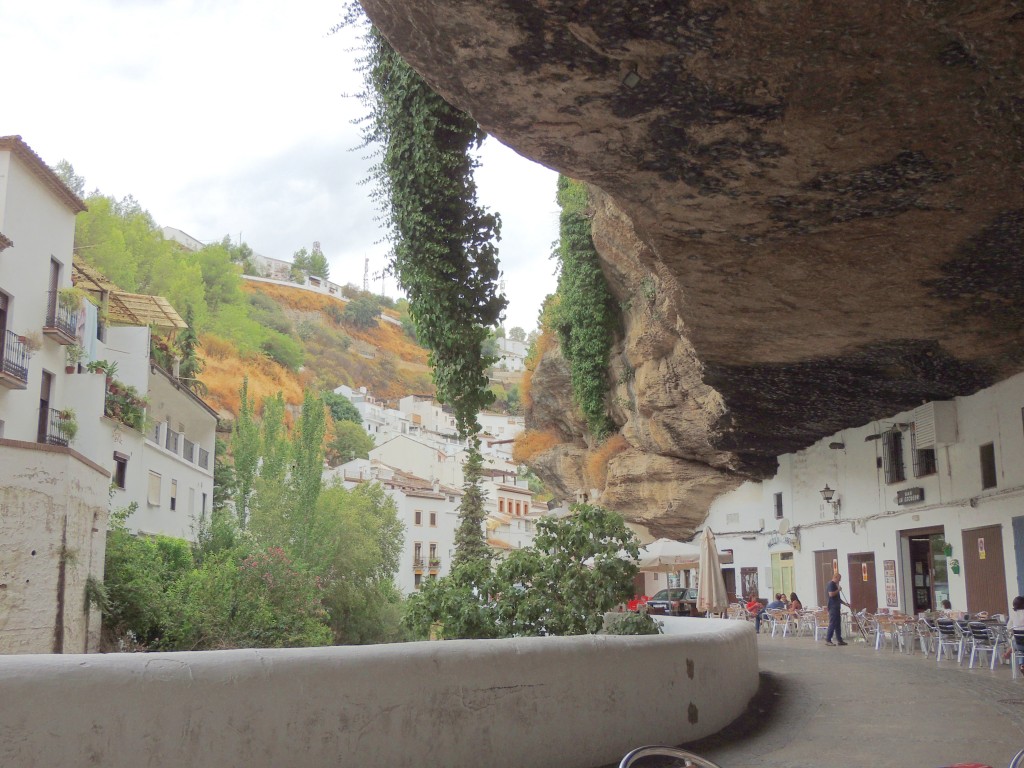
(668,602)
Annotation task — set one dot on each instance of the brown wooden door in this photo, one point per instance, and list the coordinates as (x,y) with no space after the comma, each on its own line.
(826,561)
(863,582)
(984,569)
(729,576)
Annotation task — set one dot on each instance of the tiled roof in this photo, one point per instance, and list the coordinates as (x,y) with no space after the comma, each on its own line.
(16,146)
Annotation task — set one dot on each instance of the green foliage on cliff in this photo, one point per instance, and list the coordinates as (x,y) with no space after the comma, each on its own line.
(586,315)
(444,254)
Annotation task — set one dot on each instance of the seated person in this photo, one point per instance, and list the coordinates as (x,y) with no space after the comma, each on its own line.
(775,604)
(794,603)
(753,607)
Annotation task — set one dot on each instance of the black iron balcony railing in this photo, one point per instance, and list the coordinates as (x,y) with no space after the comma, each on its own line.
(13,362)
(58,430)
(61,320)
(417,562)
(435,563)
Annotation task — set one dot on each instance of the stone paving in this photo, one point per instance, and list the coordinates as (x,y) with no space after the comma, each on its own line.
(853,706)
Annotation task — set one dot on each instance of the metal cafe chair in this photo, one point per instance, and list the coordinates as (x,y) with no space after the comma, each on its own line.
(690,760)
(928,635)
(949,639)
(982,642)
(963,629)
(1016,651)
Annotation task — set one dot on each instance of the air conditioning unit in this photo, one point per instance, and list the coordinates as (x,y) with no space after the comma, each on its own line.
(935,424)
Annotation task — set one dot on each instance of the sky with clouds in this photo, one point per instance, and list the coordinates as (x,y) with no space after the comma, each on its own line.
(224,117)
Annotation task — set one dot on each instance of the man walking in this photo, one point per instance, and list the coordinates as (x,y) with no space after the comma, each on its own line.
(835,604)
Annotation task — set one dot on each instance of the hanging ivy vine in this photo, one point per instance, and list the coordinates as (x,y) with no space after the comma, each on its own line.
(586,315)
(444,244)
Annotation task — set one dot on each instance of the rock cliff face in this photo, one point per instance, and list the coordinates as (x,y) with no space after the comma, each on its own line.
(812,213)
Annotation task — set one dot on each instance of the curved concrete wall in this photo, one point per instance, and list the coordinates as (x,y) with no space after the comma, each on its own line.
(571,702)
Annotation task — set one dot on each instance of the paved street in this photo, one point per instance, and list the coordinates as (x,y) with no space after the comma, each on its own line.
(822,707)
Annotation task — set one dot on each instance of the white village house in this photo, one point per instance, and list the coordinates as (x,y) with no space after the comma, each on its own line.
(924,506)
(65,434)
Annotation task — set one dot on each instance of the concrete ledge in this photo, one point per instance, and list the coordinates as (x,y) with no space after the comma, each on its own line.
(571,702)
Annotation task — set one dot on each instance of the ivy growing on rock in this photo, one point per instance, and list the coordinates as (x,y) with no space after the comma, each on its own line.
(445,254)
(586,315)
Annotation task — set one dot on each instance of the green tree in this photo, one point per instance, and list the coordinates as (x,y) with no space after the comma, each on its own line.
(317,264)
(221,276)
(356,545)
(569,578)
(74,182)
(342,408)
(138,570)
(517,334)
(300,266)
(271,492)
(308,467)
(470,541)
(191,363)
(350,442)
(245,448)
(223,476)
(362,312)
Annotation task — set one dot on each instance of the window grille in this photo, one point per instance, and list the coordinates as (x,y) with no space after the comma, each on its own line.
(189,453)
(988,466)
(171,442)
(892,456)
(924,458)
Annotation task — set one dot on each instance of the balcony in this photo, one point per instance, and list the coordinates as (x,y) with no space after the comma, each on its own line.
(61,320)
(417,564)
(60,428)
(434,563)
(13,362)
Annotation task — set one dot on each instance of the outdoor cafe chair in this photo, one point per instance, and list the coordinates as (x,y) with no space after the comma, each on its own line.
(860,623)
(982,641)
(949,639)
(689,759)
(780,619)
(927,635)
(963,630)
(820,624)
(887,632)
(1016,651)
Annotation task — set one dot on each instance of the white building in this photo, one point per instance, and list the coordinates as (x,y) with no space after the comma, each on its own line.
(184,239)
(66,434)
(926,506)
(53,490)
(513,354)
(429,513)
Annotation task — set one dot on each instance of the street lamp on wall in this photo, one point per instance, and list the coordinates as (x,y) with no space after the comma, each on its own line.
(827,494)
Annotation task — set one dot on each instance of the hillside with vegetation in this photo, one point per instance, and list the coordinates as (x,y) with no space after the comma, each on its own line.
(283,337)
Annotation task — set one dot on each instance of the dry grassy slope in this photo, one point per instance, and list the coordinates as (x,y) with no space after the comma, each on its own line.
(382,359)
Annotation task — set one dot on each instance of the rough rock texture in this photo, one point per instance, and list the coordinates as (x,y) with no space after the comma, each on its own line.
(819,206)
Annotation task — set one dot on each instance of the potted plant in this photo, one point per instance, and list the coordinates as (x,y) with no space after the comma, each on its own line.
(73,354)
(105,367)
(69,423)
(71,298)
(33,342)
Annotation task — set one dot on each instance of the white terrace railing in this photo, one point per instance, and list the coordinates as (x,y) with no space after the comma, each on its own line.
(571,702)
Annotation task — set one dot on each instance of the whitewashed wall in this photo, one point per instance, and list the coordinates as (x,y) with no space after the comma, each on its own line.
(870,519)
(565,702)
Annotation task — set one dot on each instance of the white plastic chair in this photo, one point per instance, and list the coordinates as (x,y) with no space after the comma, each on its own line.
(689,758)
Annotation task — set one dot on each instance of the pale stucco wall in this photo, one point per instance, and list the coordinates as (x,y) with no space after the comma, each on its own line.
(51,502)
(568,702)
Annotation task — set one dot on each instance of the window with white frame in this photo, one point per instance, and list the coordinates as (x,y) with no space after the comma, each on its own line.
(153,497)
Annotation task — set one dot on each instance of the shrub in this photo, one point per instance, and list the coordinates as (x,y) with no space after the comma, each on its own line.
(532,442)
(631,623)
(597,461)
(283,349)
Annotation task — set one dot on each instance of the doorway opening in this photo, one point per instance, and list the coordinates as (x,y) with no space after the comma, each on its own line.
(928,565)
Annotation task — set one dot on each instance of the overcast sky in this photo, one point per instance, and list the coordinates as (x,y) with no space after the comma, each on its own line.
(229,118)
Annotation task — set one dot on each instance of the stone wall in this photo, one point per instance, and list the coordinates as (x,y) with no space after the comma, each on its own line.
(53,522)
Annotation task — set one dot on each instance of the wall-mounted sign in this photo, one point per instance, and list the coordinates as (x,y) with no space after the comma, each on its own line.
(981,549)
(889,567)
(910,495)
(863,571)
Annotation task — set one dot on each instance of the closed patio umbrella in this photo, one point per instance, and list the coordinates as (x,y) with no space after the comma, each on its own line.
(711,594)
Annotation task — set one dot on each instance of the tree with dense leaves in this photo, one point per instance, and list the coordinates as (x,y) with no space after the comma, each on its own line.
(341,408)
(245,448)
(350,442)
